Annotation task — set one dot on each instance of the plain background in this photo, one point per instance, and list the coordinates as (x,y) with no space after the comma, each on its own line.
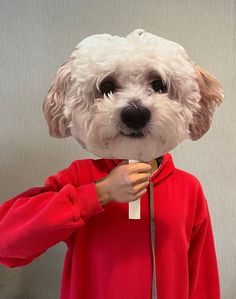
(36,37)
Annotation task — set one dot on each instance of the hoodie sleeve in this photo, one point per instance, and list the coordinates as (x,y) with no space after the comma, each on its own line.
(41,217)
(203,269)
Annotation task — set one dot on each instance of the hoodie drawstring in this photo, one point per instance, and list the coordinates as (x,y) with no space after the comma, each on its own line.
(152,226)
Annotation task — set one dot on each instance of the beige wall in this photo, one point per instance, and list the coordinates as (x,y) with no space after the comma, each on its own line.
(36,37)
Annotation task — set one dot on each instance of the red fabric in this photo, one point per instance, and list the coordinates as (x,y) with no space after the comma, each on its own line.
(109,256)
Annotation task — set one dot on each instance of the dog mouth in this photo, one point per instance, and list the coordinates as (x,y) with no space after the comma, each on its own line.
(137,134)
(133,135)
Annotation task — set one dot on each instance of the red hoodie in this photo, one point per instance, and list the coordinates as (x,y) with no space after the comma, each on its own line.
(110,256)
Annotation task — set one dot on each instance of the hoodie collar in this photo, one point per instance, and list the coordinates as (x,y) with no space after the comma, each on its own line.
(164,170)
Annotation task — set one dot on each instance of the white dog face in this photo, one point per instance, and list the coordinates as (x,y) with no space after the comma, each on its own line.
(131,98)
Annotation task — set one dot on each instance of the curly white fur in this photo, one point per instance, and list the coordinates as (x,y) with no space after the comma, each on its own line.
(75,106)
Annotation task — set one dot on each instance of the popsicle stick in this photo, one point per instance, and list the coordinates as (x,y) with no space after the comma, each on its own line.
(134,206)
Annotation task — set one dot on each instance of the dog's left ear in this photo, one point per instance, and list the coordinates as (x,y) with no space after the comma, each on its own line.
(211,97)
(53,105)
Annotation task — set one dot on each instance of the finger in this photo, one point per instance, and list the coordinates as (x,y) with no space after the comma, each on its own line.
(140,194)
(140,167)
(140,178)
(138,188)
(141,187)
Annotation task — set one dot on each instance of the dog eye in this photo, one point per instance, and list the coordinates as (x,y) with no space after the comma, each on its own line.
(159,86)
(107,87)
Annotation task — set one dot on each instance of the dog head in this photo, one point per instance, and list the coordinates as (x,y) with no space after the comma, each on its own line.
(134,97)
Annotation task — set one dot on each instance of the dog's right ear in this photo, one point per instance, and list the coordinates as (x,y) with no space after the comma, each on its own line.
(53,105)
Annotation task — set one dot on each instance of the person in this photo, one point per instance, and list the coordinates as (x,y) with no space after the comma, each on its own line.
(108,255)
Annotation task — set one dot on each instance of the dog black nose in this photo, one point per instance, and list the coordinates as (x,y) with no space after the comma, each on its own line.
(135,117)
